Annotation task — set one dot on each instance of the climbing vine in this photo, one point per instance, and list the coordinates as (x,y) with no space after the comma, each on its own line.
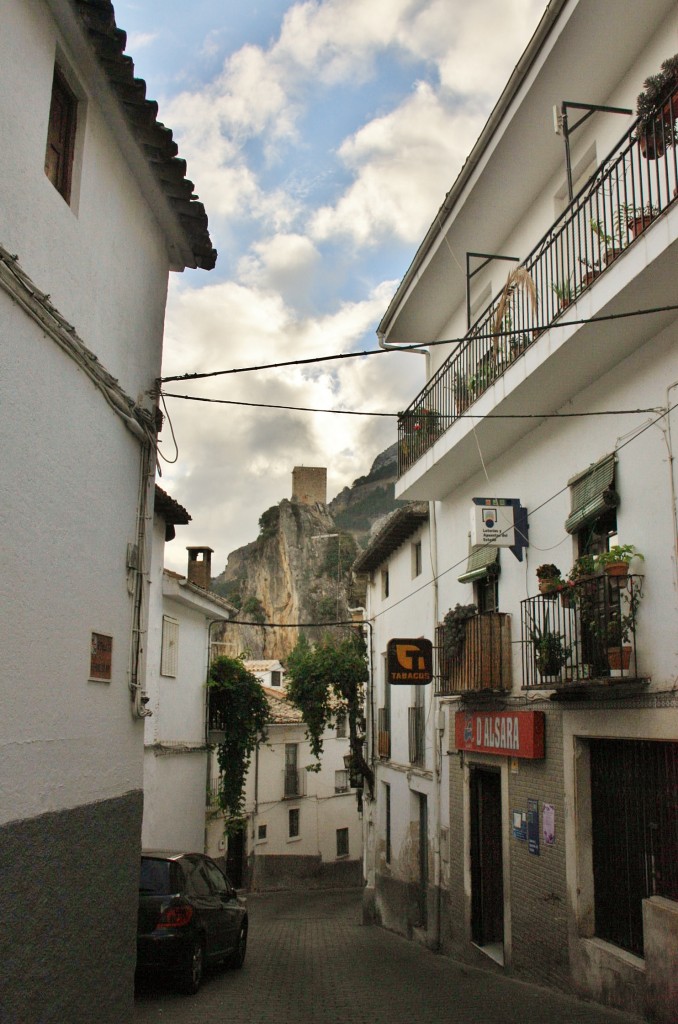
(325,680)
(239,707)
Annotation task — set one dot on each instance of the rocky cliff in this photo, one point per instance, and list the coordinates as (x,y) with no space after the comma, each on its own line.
(298,568)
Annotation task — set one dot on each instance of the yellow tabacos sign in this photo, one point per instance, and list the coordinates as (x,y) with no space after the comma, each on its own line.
(409,661)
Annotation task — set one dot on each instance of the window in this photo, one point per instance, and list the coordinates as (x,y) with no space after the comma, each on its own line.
(61,135)
(261,832)
(486,593)
(387,806)
(275,678)
(342,842)
(594,502)
(293,829)
(291,769)
(384,583)
(169,657)
(341,781)
(416,559)
(340,726)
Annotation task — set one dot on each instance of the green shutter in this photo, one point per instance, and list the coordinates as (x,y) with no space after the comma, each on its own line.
(592,494)
(483,561)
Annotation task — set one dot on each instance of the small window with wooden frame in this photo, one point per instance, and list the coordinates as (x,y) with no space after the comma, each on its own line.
(61,135)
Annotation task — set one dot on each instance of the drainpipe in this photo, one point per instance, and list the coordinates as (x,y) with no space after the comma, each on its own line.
(138,694)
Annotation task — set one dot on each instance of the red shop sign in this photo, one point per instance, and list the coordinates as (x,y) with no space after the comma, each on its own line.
(513,733)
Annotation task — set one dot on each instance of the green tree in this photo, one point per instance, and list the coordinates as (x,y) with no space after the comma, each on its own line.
(239,705)
(327,679)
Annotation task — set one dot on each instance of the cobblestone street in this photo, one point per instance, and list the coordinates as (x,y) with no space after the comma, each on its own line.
(311,961)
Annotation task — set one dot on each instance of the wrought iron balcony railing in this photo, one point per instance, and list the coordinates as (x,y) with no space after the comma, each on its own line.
(583,633)
(384,732)
(293,782)
(484,662)
(633,186)
(415,723)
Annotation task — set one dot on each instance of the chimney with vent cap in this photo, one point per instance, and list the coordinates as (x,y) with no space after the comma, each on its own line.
(200,567)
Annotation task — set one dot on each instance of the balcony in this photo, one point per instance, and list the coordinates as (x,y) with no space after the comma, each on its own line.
(583,636)
(626,195)
(384,732)
(293,783)
(415,724)
(484,663)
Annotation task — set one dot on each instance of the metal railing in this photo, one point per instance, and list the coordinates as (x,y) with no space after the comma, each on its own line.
(415,724)
(635,183)
(484,662)
(293,782)
(213,794)
(584,631)
(384,732)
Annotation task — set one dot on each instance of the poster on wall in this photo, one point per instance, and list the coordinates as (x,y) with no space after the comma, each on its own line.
(520,825)
(533,826)
(548,824)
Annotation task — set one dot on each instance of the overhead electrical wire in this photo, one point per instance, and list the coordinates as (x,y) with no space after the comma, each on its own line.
(456,565)
(398,415)
(418,345)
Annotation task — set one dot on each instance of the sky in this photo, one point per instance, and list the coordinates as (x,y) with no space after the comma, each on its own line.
(322,137)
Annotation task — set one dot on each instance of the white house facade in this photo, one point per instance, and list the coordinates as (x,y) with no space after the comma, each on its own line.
(95,212)
(303,828)
(176,754)
(545,438)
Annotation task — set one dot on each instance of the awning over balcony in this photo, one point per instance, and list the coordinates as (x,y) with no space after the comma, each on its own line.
(592,494)
(483,561)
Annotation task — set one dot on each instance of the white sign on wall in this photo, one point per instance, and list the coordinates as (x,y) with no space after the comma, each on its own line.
(492,522)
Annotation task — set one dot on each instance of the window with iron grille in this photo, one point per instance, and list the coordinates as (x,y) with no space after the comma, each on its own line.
(340,726)
(387,823)
(416,559)
(634,829)
(341,781)
(416,734)
(342,842)
(293,822)
(61,135)
(261,832)
(275,678)
(292,769)
(169,657)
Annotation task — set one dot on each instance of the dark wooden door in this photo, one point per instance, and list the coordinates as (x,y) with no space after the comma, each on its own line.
(487,886)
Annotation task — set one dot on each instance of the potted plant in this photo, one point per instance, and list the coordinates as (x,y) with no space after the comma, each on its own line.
(454,630)
(610,246)
(615,562)
(634,219)
(620,629)
(549,579)
(657,107)
(564,292)
(550,650)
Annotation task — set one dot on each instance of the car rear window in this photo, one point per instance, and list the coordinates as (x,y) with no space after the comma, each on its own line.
(155,877)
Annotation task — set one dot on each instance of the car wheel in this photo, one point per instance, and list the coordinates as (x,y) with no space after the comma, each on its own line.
(237,958)
(191,974)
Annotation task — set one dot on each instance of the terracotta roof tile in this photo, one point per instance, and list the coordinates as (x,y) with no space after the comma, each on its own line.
(155,140)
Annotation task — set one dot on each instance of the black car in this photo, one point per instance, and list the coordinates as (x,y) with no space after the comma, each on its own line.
(189,916)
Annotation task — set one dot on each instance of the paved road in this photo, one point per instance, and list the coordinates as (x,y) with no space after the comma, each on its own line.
(311,961)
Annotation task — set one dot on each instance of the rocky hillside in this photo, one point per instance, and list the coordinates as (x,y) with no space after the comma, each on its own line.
(298,568)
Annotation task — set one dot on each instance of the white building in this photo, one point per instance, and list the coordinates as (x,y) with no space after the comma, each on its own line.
(303,828)
(176,755)
(269,672)
(95,212)
(562,832)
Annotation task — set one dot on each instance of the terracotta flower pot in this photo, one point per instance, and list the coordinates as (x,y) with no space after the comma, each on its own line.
(617,569)
(619,658)
(652,144)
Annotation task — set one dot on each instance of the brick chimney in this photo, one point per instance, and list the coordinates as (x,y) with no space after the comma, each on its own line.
(200,567)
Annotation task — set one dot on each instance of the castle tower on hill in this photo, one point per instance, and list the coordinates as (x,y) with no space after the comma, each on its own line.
(309,485)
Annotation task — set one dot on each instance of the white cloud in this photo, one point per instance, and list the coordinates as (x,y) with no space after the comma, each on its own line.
(236,461)
(140,40)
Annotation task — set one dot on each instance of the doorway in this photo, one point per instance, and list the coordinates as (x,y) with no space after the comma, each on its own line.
(487,878)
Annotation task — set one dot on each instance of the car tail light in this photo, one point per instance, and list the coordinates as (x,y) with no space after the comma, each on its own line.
(175,917)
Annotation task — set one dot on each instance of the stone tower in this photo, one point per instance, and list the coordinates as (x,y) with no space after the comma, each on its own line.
(309,485)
